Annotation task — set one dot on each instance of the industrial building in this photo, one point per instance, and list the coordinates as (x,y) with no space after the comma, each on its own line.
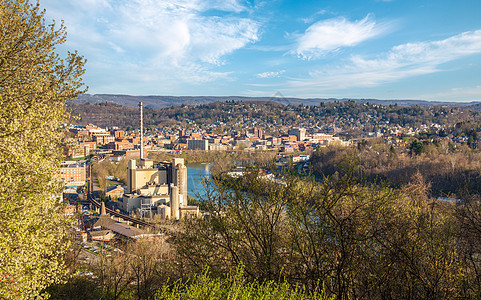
(158,189)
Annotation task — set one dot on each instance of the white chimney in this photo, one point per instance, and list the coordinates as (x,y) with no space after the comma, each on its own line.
(141,132)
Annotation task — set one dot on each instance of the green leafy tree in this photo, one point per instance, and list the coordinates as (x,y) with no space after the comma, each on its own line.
(416,147)
(35,84)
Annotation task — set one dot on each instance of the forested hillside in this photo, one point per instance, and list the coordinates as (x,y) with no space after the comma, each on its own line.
(164,101)
(349,116)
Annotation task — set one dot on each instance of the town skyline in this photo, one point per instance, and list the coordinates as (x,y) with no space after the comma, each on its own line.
(374,49)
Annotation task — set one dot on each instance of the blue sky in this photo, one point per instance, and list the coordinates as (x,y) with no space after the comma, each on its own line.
(384,49)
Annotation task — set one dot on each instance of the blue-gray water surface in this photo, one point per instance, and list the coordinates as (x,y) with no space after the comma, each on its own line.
(195,173)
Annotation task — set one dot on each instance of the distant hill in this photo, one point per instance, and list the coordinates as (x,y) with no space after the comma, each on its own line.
(266,113)
(165,101)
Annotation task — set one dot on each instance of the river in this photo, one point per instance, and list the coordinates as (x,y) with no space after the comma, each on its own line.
(195,173)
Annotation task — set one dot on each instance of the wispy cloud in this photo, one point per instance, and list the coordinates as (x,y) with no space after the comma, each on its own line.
(183,39)
(407,60)
(271,74)
(311,19)
(418,55)
(224,5)
(332,34)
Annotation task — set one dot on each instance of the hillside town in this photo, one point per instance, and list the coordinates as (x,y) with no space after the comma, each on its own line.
(159,187)
(292,144)
(271,150)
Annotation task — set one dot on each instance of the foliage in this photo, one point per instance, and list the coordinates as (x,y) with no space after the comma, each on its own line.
(240,227)
(361,240)
(468,227)
(106,168)
(234,286)
(200,156)
(76,288)
(35,83)
(449,172)
(416,147)
(136,272)
(337,237)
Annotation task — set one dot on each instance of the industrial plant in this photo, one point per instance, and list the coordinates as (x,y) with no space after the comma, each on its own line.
(157,189)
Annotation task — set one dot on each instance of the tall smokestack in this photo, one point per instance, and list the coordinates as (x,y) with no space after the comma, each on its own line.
(141,132)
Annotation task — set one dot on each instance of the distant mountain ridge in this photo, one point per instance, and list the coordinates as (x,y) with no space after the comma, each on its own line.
(165,101)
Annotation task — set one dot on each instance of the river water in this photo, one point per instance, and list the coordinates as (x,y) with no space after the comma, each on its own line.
(195,174)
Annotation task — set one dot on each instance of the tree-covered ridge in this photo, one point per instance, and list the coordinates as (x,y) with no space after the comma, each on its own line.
(159,101)
(349,116)
(451,170)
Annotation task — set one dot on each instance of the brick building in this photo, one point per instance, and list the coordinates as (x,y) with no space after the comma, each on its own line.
(73,173)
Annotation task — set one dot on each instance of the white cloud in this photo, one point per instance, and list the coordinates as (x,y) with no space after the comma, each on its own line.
(414,55)
(215,38)
(179,32)
(407,60)
(332,34)
(183,39)
(271,74)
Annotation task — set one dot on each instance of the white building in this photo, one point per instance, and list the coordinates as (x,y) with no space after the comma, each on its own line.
(300,133)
